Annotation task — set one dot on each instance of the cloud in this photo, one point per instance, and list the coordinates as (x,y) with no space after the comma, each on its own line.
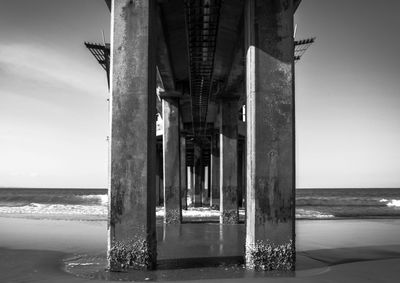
(40,66)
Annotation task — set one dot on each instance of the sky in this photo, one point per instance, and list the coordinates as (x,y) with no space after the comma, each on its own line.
(54,117)
(53,111)
(348,94)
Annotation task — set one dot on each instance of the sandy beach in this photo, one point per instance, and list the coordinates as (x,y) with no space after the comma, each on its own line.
(364,250)
(279,119)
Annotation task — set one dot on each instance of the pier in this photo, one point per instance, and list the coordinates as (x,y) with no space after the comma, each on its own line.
(202,114)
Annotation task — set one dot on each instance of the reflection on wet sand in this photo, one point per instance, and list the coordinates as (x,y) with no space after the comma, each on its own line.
(200,240)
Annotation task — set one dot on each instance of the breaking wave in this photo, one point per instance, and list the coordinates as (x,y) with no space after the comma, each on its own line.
(311,214)
(55,209)
(391,203)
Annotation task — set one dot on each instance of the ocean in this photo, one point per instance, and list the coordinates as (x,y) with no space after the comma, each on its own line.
(348,203)
(68,204)
(91,204)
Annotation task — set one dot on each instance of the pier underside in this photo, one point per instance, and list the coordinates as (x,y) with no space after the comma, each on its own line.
(202,114)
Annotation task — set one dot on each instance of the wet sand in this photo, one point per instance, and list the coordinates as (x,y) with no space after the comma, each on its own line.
(34,250)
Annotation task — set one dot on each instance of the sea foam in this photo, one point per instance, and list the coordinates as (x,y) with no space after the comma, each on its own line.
(391,203)
(55,209)
(394,203)
(102,199)
(311,214)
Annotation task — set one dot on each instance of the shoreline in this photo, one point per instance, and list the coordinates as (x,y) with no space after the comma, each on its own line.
(49,266)
(32,247)
(189,219)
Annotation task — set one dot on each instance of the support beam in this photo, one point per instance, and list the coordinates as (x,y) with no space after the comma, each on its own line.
(270,215)
(171,159)
(132,218)
(206,188)
(203,183)
(189,186)
(159,178)
(244,171)
(215,166)
(229,212)
(198,176)
(240,176)
(192,186)
(208,182)
(184,187)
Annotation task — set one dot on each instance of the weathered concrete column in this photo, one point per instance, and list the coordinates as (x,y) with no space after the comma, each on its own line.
(159,179)
(240,175)
(132,217)
(184,189)
(202,183)
(215,180)
(270,215)
(209,182)
(192,186)
(171,159)
(205,182)
(215,166)
(244,174)
(198,175)
(229,212)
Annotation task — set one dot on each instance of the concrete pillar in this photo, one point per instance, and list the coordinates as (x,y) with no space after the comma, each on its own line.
(132,218)
(198,176)
(228,162)
(205,192)
(189,186)
(240,175)
(244,174)
(215,166)
(159,182)
(202,182)
(184,189)
(171,159)
(270,214)
(208,182)
(192,186)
